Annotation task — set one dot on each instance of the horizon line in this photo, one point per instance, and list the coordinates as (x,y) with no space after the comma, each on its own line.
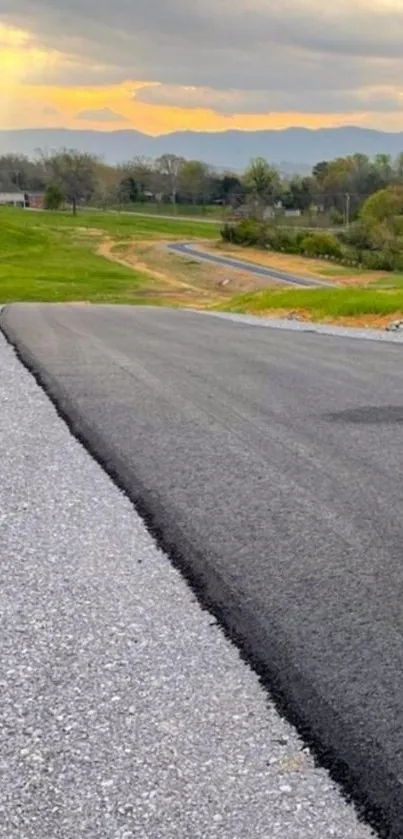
(201,130)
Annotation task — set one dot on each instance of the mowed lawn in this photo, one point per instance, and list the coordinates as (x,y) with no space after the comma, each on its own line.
(52,256)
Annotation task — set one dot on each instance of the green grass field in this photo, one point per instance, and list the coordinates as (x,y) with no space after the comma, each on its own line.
(118,225)
(322,303)
(188,210)
(52,256)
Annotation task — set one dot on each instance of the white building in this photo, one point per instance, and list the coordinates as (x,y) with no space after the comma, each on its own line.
(11,197)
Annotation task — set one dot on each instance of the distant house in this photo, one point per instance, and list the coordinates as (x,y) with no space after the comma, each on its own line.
(11,196)
(35,200)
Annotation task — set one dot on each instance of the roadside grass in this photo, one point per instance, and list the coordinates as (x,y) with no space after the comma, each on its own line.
(48,265)
(51,257)
(319,303)
(390,281)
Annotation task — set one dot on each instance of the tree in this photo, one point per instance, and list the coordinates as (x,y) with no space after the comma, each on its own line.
(230,189)
(142,170)
(398,167)
(128,192)
(169,168)
(383,207)
(54,197)
(298,193)
(263,183)
(383,165)
(74,173)
(343,184)
(106,186)
(194,180)
(24,173)
(320,171)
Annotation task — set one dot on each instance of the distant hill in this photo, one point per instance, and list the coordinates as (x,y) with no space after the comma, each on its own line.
(293,149)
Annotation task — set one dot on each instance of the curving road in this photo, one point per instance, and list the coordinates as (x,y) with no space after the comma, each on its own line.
(269,464)
(187,249)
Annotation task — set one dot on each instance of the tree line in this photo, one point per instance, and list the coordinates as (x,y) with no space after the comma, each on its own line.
(337,188)
(374,240)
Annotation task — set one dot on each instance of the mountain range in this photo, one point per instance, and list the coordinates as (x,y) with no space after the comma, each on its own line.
(292,149)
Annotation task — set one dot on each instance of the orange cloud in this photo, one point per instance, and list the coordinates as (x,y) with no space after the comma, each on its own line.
(27,105)
(31,106)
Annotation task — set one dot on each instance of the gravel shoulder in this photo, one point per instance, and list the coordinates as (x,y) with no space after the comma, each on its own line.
(125,712)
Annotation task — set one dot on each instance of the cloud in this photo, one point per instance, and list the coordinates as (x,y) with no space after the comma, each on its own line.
(49,111)
(101,115)
(230,102)
(232,56)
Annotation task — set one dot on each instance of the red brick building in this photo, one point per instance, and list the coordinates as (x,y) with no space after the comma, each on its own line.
(35,200)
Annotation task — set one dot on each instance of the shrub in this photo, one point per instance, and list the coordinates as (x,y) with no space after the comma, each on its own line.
(379,260)
(321,244)
(358,235)
(335,216)
(284,239)
(54,197)
(398,262)
(227,232)
(246,232)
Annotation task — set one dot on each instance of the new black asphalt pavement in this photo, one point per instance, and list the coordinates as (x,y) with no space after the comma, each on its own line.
(269,463)
(187,249)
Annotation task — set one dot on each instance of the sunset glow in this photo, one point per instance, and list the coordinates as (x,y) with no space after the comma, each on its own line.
(45,86)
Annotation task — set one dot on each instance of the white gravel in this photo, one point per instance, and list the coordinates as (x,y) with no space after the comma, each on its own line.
(124,710)
(318,328)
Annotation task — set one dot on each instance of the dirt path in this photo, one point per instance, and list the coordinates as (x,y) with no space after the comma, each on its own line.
(191,282)
(106,249)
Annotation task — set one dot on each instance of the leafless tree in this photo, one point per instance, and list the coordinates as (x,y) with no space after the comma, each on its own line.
(169,166)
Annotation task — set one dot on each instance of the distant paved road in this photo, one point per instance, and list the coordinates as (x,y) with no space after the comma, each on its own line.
(270,465)
(187,249)
(167,217)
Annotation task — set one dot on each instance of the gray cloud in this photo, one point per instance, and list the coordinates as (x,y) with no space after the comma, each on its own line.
(101,115)
(301,55)
(229,102)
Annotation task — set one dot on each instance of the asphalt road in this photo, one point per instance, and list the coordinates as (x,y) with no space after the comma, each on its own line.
(269,464)
(186,249)
(125,713)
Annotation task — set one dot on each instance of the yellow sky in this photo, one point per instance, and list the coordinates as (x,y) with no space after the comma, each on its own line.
(24,104)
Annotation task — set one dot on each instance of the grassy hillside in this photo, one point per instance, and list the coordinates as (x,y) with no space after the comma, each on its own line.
(52,256)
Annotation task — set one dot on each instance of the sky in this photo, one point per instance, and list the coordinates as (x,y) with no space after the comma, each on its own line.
(166,65)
